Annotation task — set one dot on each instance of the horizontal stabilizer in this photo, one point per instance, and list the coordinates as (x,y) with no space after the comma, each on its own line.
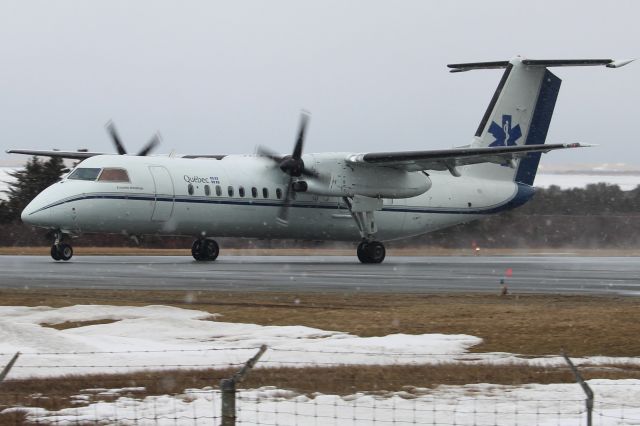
(478,66)
(609,63)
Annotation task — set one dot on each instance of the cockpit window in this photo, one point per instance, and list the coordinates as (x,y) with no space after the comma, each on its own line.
(84,174)
(113,175)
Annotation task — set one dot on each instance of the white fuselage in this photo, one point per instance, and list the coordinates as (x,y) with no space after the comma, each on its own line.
(157,200)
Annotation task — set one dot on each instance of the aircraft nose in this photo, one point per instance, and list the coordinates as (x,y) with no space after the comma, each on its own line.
(33,214)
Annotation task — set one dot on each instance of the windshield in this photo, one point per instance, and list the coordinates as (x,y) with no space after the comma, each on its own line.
(84,174)
(114,175)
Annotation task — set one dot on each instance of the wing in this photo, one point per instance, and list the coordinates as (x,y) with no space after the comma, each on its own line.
(73,155)
(81,155)
(448,159)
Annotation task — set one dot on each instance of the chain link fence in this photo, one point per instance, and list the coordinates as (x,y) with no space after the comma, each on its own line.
(155,395)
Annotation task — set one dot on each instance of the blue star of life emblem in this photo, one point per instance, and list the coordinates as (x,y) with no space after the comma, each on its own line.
(505,135)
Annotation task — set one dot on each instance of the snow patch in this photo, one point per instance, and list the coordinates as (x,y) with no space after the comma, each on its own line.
(161,337)
(553,404)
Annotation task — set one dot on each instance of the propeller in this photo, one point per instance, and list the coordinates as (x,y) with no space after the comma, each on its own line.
(293,165)
(117,141)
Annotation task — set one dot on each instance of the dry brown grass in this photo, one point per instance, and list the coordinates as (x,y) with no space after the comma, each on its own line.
(75,324)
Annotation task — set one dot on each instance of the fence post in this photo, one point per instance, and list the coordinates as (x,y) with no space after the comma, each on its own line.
(585,387)
(6,369)
(228,411)
(228,389)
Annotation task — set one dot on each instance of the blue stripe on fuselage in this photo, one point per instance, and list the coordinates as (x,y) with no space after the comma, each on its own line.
(522,195)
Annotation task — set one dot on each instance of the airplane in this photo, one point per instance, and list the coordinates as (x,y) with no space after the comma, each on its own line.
(342,196)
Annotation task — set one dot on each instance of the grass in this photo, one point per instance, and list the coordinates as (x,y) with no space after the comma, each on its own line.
(75,324)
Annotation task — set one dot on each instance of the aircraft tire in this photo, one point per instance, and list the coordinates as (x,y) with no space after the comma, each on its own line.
(55,254)
(65,251)
(196,250)
(210,250)
(361,251)
(371,252)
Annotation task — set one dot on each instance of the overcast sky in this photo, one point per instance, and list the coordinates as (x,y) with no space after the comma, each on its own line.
(223,77)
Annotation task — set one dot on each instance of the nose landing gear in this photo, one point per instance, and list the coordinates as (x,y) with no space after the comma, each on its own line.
(205,249)
(60,250)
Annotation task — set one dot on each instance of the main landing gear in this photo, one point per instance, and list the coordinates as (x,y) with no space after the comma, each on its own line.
(371,252)
(205,249)
(60,250)
(362,210)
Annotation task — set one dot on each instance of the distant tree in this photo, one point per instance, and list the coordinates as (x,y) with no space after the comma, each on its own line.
(29,182)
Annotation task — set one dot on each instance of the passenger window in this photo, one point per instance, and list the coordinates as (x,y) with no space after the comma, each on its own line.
(218,190)
(278,193)
(254,192)
(190,189)
(113,175)
(265,193)
(230,191)
(84,174)
(241,191)
(207,190)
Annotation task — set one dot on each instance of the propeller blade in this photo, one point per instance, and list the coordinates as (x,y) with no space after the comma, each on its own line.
(310,173)
(111,128)
(263,151)
(297,150)
(150,146)
(283,212)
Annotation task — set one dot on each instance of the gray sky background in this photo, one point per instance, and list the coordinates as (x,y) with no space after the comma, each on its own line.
(223,77)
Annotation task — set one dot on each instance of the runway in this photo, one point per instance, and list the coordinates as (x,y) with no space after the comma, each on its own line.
(549,275)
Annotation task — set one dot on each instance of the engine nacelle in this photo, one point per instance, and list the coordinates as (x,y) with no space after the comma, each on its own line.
(348,179)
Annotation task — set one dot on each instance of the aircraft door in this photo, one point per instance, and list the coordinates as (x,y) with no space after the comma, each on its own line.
(164,192)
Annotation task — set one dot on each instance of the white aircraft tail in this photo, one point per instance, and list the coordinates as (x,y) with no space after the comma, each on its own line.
(520,111)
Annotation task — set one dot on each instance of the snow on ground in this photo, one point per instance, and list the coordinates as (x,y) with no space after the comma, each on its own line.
(478,404)
(157,337)
(154,337)
(160,337)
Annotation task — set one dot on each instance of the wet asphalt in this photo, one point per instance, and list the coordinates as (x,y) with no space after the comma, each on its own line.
(539,274)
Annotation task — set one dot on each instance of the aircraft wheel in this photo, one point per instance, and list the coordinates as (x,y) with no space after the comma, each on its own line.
(210,250)
(65,251)
(371,252)
(55,254)
(196,250)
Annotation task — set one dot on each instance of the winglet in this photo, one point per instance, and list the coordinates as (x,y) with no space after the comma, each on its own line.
(620,64)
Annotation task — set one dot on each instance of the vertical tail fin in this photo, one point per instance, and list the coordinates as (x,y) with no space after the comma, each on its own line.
(520,111)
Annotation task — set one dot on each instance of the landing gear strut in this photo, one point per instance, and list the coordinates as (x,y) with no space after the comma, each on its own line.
(362,210)
(60,250)
(205,249)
